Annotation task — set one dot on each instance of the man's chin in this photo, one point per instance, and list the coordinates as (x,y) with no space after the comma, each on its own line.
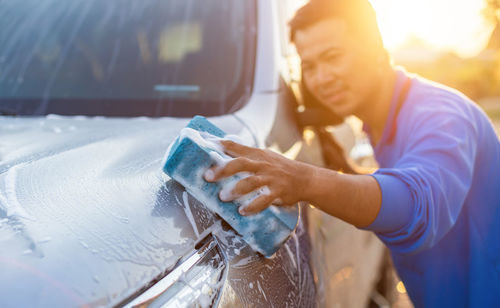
(339,104)
(342,109)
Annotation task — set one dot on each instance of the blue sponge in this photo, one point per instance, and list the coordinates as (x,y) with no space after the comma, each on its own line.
(188,159)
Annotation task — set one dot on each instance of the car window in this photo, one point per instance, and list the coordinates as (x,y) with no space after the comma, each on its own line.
(125,58)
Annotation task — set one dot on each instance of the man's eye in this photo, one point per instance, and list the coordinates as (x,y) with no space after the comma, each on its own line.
(333,57)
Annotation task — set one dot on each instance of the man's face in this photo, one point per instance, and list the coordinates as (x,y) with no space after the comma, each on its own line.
(338,69)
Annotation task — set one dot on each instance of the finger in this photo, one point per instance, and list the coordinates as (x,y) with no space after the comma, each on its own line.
(278,202)
(257,205)
(240,164)
(247,185)
(235,149)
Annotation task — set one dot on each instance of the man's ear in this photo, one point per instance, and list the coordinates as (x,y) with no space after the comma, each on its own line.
(314,112)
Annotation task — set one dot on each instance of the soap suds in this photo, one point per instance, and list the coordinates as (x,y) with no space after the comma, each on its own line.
(44,240)
(189,213)
(204,301)
(247,199)
(196,186)
(220,159)
(167,153)
(202,139)
(290,254)
(235,138)
(274,209)
(8,201)
(261,290)
(297,247)
(243,262)
(229,184)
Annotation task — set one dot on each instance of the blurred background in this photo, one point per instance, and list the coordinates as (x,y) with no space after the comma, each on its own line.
(454,42)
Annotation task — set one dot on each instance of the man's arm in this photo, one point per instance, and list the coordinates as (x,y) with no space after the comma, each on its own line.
(355,199)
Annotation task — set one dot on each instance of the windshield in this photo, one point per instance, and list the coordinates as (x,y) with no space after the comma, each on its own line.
(125,58)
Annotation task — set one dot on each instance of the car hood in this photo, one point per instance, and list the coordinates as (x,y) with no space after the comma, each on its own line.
(87,217)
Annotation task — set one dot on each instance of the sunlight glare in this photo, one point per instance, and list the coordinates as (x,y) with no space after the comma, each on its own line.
(444,25)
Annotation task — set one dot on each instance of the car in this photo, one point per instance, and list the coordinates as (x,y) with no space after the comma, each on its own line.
(91,95)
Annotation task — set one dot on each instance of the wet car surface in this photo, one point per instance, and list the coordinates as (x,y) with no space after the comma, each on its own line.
(90,219)
(91,95)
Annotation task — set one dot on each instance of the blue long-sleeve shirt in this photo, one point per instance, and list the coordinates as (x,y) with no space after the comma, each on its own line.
(440,183)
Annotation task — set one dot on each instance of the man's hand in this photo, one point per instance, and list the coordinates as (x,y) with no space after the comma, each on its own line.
(287,180)
(355,199)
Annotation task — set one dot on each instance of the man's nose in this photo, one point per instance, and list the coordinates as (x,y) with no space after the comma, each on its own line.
(325,75)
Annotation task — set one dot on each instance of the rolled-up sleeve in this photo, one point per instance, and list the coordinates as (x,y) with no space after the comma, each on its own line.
(423,194)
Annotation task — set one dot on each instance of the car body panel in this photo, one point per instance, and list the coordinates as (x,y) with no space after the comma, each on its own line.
(88,218)
(85,209)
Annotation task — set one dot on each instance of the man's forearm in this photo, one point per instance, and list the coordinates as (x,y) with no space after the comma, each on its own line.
(355,199)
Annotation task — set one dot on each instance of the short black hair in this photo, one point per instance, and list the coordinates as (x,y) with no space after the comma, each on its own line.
(359,16)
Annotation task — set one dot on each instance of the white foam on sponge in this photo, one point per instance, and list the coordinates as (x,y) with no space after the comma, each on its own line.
(220,162)
(195,189)
(167,153)
(228,185)
(247,199)
(203,139)
(235,138)
(220,159)
(274,208)
(195,186)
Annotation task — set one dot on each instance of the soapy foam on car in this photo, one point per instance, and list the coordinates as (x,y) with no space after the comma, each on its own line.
(189,213)
(9,202)
(193,188)
(196,182)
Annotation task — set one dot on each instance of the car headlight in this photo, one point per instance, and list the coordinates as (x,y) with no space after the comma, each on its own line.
(195,282)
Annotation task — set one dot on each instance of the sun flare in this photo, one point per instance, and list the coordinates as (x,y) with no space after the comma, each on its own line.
(444,25)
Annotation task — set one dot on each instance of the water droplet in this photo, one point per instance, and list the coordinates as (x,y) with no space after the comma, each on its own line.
(84,244)
(45,240)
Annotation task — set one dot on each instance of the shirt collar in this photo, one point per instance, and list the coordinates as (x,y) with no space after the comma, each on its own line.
(390,122)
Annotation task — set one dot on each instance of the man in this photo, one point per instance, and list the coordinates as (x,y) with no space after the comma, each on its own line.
(435,202)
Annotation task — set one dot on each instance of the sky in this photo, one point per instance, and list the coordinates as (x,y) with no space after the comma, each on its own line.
(443,25)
